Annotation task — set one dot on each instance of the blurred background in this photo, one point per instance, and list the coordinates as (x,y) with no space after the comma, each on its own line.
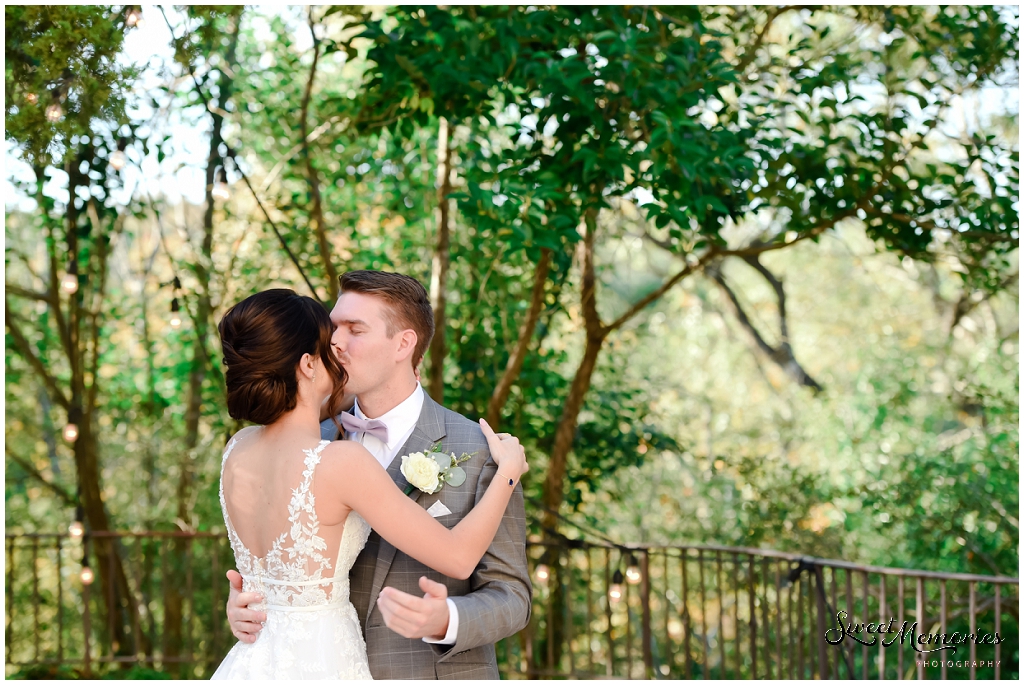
(743,279)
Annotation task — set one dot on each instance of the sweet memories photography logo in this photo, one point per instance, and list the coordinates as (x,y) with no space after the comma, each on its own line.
(869,634)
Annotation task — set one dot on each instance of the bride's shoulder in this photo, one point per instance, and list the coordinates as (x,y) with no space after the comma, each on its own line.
(345,450)
(343,459)
(239,437)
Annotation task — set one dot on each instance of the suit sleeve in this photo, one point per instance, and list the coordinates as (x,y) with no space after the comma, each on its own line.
(499,604)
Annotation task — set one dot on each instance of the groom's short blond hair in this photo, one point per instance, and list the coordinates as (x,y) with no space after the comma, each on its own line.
(408,305)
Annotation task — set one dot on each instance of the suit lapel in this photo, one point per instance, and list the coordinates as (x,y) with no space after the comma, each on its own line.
(428,431)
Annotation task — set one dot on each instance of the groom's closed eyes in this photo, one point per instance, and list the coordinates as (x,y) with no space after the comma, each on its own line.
(355,326)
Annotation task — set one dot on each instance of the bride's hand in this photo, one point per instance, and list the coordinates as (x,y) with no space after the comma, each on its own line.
(506,451)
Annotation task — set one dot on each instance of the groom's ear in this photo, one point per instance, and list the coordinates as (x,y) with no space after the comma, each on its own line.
(407,340)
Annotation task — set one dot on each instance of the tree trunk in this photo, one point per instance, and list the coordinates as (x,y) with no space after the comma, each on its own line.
(313,177)
(565,433)
(200,362)
(441,264)
(119,602)
(515,360)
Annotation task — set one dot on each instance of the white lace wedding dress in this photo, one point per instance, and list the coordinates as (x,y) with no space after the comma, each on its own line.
(312,631)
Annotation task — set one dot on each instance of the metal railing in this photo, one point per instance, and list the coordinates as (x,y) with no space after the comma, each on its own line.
(709,611)
(696,611)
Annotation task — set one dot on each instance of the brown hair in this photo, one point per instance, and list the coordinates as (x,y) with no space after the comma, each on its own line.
(263,338)
(407,304)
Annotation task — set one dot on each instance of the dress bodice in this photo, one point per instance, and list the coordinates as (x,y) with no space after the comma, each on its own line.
(296,573)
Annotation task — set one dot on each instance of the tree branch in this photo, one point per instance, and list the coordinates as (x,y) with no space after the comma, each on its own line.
(526,329)
(313,178)
(25,350)
(751,52)
(588,294)
(28,294)
(664,288)
(781,355)
(36,474)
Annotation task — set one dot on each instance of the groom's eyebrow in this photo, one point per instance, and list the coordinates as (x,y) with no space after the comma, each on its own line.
(351,322)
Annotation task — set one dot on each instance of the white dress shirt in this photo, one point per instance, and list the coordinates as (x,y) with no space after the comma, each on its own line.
(401,421)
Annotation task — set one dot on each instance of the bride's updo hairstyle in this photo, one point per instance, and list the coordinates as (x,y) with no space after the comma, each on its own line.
(263,338)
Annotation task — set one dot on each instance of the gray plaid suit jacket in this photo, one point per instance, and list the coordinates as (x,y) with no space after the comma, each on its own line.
(493,603)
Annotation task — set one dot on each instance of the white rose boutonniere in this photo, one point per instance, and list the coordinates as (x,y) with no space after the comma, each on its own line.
(431,471)
(422,472)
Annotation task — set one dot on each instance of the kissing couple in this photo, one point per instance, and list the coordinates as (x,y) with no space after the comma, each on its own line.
(388,541)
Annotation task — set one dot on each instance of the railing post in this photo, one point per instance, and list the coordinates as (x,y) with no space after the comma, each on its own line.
(943,609)
(881,619)
(35,599)
(721,610)
(86,629)
(60,602)
(703,614)
(590,611)
(920,622)
(867,612)
(645,609)
(8,632)
(973,607)
(687,623)
(995,630)
(899,619)
(610,666)
(764,616)
(751,579)
(819,583)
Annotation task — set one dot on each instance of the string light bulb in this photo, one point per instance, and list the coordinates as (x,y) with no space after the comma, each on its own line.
(615,591)
(134,18)
(542,573)
(632,571)
(31,98)
(118,159)
(54,112)
(69,283)
(77,529)
(87,575)
(175,313)
(71,432)
(220,188)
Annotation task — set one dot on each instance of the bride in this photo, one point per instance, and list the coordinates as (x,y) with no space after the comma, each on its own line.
(298,509)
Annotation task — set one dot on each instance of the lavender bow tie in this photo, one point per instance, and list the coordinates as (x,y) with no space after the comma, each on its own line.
(374,427)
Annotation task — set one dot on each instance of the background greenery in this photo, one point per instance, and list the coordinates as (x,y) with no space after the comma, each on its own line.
(734,275)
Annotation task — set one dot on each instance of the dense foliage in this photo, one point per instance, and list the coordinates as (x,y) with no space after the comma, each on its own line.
(736,275)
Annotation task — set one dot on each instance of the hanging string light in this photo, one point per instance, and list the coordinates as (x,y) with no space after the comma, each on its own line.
(69,283)
(71,429)
(615,591)
(71,432)
(77,528)
(542,573)
(220,187)
(632,571)
(86,574)
(175,313)
(31,98)
(54,112)
(118,159)
(175,306)
(134,17)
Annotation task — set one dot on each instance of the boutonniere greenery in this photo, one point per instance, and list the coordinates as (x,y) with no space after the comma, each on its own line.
(431,470)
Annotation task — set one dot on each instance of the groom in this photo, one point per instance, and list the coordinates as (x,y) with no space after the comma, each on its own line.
(418,624)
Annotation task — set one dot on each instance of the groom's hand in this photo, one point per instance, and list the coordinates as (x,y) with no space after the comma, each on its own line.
(413,617)
(245,623)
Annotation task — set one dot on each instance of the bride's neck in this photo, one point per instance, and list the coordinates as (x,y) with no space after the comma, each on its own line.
(304,418)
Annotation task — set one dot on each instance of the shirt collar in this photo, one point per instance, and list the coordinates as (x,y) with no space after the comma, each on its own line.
(402,418)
